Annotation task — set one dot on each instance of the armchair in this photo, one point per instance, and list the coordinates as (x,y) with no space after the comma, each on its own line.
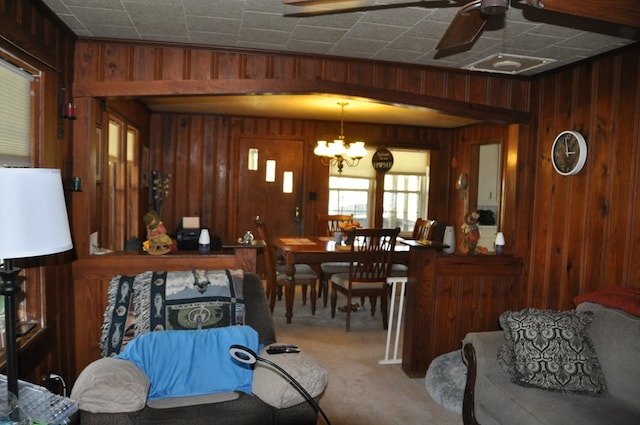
(112,391)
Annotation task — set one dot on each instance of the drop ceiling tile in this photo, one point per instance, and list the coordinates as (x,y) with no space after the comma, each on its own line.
(327,35)
(209,24)
(96,4)
(159,19)
(413,44)
(94,17)
(114,31)
(268,21)
(395,55)
(252,35)
(399,17)
(375,31)
(315,47)
(356,47)
(213,38)
(389,35)
(215,8)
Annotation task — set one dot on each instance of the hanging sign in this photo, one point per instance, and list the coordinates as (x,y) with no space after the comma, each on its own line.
(382,160)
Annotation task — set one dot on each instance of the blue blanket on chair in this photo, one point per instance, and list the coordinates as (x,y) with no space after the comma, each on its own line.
(192,362)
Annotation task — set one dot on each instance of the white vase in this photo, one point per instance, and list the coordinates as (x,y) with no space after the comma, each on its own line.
(204,241)
(499,243)
(449,239)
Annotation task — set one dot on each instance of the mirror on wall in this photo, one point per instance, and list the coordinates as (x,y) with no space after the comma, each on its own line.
(485,190)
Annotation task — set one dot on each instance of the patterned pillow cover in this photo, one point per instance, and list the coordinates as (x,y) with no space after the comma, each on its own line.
(551,350)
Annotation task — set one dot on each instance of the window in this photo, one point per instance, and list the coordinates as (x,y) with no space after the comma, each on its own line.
(350,195)
(15,116)
(17,103)
(405,190)
(403,195)
(122,185)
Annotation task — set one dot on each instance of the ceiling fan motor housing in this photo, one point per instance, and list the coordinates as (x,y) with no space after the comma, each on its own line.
(494,7)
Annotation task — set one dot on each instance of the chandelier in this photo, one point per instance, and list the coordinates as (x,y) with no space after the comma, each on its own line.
(337,152)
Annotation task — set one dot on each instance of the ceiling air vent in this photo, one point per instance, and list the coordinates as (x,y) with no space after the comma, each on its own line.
(507,64)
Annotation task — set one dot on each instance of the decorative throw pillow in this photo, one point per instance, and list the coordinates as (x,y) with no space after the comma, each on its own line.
(551,350)
(111,385)
(272,387)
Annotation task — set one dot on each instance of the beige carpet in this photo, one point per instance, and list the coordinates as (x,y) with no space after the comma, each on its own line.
(360,391)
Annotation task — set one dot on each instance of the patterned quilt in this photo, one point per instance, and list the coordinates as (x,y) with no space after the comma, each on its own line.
(151,301)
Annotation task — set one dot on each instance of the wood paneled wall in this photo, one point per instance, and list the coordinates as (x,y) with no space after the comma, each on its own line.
(584,232)
(111,68)
(187,146)
(36,37)
(200,154)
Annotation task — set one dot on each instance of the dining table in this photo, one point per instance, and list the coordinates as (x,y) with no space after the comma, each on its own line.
(314,250)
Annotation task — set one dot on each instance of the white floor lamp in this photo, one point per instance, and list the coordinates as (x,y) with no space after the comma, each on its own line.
(33,222)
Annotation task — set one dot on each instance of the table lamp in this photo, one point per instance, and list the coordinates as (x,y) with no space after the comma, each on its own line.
(33,222)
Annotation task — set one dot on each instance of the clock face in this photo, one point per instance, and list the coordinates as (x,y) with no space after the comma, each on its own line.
(569,153)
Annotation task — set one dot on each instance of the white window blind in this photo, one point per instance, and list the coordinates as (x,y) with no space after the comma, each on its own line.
(15,116)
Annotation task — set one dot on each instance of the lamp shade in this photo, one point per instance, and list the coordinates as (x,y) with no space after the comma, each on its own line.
(33,217)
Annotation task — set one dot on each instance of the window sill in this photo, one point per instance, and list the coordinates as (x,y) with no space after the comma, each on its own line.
(30,339)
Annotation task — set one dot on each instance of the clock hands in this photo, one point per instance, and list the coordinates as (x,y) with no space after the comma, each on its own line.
(567,152)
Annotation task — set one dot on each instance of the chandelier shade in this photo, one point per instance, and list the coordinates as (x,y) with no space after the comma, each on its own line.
(338,152)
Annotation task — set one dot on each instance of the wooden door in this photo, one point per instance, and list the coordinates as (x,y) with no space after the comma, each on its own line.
(280,209)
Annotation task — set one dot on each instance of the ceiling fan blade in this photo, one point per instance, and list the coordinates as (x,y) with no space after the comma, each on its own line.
(463,30)
(309,2)
(623,12)
(321,12)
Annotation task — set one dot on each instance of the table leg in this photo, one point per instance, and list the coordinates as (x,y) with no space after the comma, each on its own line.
(289,286)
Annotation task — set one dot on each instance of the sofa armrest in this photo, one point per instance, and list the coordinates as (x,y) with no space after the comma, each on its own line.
(272,387)
(479,351)
(111,385)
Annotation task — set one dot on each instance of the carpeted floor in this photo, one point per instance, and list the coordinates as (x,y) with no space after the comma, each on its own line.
(360,391)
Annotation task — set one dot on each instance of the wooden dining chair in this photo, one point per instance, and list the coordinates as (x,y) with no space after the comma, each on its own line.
(330,223)
(423,229)
(369,266)
(277,278)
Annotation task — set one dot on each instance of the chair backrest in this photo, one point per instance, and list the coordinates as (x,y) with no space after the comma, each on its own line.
(371,253)
(423,229)
(269,253)
(328,224)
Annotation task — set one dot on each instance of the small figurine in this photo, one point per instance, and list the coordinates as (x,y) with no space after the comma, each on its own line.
(158,242)
(470,233)
(247,238)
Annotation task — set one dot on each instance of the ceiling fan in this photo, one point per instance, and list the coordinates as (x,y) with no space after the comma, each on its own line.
(471,18)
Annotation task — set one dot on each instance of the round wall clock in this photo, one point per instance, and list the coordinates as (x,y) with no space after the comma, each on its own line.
(569,153)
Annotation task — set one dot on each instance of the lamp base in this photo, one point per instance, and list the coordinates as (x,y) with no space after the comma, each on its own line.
(10,289)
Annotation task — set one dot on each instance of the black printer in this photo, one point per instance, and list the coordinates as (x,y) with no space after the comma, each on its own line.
(188,239)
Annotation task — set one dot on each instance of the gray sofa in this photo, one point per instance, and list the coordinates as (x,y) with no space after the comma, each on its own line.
(113,391)
(492,398)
